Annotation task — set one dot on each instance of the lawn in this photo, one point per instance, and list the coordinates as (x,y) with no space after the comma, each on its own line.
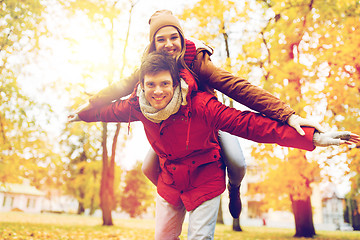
(17,225)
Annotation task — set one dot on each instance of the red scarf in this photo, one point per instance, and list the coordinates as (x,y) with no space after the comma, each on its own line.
(190,53)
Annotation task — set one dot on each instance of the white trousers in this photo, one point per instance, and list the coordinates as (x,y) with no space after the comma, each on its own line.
(169,220)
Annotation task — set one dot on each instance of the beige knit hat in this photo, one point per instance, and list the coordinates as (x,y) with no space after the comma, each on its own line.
(161,19)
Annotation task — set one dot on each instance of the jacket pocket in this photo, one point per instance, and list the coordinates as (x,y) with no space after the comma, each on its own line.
(207,172)
(166,178)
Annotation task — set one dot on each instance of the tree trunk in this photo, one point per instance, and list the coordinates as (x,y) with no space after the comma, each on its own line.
(81,208)
(106,198)
(92,208)
(92,201)
(220,219)
(354,216)
(236,225)
(107,183)
(303,217)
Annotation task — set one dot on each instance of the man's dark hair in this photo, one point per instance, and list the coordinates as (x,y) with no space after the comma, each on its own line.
(159,61)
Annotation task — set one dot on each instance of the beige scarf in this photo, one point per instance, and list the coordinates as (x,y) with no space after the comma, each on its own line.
(155,115)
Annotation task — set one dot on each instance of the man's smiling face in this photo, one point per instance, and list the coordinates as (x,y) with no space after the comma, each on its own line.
(159,89)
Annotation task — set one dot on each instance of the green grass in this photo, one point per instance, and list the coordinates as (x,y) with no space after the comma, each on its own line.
(17,225)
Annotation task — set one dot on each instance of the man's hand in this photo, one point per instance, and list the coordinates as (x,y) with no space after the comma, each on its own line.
(334,138)
(74,117)
(296,122)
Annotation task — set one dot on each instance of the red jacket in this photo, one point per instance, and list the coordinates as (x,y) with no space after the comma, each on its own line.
(187,144)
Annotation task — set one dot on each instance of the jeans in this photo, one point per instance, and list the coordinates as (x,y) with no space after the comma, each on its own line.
(233,157)
(169,220)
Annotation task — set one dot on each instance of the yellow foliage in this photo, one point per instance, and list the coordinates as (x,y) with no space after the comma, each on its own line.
(253,49)
(326,36)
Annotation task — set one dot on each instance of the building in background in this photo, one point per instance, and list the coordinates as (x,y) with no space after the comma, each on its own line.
(20,197)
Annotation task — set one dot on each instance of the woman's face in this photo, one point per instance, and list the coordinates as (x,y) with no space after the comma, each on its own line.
(158,89)
(168,39)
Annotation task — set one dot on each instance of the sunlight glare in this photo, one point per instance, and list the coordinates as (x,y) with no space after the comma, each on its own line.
(90,52)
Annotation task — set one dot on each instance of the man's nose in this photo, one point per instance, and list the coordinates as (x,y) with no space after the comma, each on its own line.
(158,90)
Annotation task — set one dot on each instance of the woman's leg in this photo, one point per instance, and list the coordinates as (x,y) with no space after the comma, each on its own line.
(236,167)
(151,167)
(202,220)
(168,220)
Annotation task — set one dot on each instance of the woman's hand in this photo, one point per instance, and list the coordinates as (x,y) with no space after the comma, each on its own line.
(296,122)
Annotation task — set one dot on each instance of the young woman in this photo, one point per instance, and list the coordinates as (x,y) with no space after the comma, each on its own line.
(182,125)
(166,34)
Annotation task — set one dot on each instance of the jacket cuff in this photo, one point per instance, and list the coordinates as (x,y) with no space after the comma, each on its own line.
(309,135)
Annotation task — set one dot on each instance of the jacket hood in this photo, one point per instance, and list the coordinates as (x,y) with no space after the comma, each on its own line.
(190,80)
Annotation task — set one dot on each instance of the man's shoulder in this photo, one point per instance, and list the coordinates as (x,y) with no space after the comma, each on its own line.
(201,98)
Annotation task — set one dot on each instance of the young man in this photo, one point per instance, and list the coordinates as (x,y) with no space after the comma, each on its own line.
(182,127)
